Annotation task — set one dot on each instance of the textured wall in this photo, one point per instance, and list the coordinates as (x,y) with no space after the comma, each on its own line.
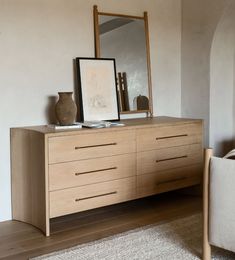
(39,40)
(222,76)
(208,30)
(199,22)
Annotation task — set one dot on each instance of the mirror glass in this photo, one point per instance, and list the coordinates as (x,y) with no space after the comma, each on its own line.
(124,38)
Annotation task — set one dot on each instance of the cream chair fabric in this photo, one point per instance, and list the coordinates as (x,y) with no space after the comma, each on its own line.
(222,203)
(218,202)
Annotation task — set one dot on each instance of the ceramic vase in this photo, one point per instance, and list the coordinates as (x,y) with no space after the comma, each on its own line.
(66,109)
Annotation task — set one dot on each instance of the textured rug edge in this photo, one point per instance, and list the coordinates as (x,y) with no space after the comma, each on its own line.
(118,235)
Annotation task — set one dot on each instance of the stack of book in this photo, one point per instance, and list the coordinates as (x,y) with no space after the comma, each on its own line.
(100,124)
(89,124)
(65,127)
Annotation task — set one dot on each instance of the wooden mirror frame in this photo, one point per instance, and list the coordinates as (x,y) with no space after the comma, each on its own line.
(96,14)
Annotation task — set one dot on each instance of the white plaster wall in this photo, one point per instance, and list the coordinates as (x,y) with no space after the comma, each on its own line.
(199,22)
(208,68)
(40,38)
(222,84)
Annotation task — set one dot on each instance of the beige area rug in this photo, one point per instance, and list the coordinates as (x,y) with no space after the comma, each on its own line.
(179,239)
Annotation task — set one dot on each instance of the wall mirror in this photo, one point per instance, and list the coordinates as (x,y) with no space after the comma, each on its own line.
(126,38)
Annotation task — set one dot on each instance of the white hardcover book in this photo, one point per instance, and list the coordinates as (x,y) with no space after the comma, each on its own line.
(101,124)
(64,127)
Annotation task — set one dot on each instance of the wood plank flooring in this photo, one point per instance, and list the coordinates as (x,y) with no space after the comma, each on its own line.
(22,241)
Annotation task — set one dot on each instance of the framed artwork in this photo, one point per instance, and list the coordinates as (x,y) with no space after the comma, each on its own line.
(98,99)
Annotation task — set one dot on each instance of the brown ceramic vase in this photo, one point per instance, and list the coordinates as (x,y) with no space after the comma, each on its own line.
(65,109)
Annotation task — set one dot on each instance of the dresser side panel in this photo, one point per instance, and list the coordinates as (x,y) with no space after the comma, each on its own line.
(28,177)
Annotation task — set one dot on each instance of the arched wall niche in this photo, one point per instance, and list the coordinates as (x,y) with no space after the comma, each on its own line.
(199,22)
(222,87)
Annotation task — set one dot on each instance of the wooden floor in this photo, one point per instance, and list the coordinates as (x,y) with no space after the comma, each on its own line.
(21,241)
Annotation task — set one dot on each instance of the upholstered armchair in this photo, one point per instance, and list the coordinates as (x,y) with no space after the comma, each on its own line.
(218,203)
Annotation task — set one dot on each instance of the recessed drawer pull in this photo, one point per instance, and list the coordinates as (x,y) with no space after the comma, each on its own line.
(173,158)
(91,146)
(96,196)
(173,180)
(101,170)
(171,136)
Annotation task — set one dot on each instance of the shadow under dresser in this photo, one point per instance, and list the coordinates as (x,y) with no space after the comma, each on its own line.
(60,172)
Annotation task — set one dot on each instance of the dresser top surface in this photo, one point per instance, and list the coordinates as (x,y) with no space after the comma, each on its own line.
(129,124)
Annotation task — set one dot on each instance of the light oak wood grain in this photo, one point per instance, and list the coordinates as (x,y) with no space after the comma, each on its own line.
(153,183)
(79,147)
(168,158)
(206,252)
(77,199)
(96,31)
(79,173)
(96,167)
(130,124)
(168,136)
(146,26)
(28,177)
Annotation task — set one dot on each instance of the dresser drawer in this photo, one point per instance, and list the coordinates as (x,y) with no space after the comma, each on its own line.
(85,146)
(78,173)
(77,199)
(154,183)
(168,158)
(168,136)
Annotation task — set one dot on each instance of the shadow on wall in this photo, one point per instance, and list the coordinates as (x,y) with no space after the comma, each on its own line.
(50,110)
(76,93)
(225,147)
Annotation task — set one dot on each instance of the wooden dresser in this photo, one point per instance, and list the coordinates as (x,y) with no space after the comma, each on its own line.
(55,173)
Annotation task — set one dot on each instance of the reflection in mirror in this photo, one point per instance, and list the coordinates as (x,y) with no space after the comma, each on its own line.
(124,38)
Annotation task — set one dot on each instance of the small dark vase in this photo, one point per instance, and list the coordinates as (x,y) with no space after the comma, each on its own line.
(65,109)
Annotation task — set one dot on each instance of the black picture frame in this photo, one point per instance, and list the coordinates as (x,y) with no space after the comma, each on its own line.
(97,89)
